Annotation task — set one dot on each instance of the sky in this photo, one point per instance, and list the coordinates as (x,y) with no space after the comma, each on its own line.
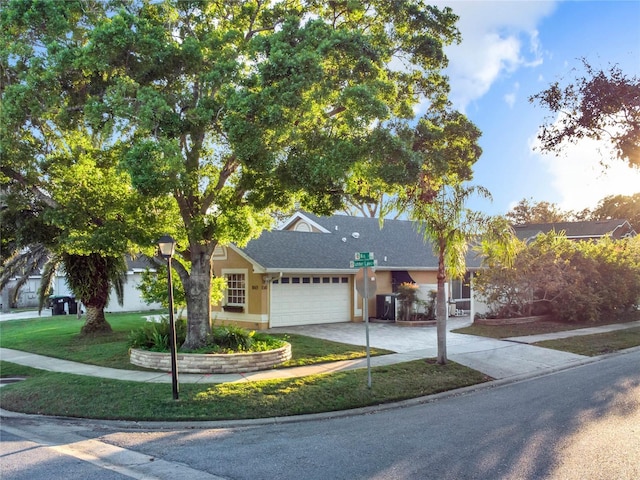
(513,49)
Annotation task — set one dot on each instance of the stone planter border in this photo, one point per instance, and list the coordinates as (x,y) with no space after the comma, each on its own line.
(511,321)
(211,363)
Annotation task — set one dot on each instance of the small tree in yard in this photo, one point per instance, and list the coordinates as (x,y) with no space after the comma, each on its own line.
(407,296)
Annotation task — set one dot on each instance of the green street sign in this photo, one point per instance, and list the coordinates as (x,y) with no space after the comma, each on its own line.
(364,256)
(363,263)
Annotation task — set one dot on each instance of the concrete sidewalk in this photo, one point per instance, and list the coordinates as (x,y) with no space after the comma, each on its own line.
(499,359)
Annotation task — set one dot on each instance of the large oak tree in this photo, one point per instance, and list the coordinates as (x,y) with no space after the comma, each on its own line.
(236,108)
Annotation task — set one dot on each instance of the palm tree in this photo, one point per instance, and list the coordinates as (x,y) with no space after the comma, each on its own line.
(90,278)
(451,228)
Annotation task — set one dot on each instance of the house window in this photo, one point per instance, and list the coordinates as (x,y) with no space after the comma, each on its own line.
(236,289)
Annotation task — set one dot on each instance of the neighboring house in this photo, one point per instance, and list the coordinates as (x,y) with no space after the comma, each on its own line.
(585,230)
(300,274)
(28,294)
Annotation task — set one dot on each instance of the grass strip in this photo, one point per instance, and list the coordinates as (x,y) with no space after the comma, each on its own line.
(88,397)
(596,344)
(522,329)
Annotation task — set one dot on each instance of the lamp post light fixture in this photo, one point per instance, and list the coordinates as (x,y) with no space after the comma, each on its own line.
(167,247)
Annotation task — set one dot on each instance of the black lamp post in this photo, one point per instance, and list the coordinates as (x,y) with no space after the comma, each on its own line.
(167,249)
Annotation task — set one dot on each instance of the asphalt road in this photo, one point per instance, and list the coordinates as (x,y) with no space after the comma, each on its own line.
(582,423)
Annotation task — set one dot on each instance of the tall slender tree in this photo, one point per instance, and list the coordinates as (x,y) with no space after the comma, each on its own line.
(449,227)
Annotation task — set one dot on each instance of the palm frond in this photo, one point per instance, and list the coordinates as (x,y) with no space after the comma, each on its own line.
(48,273)
(23,264)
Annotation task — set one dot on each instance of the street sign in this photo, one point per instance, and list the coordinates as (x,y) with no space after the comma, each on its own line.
(366,287)
(363,263)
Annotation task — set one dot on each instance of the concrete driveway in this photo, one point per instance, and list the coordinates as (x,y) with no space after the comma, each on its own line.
(496,358)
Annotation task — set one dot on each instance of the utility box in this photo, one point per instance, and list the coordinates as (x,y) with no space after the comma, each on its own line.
(386,305)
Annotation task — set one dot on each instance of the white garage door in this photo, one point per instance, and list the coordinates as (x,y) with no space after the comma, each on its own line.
(307,300)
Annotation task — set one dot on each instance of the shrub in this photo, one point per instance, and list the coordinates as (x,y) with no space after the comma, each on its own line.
(155,336)
(223,339)
(573,281)
(231,337)
(407,296)
(428,306)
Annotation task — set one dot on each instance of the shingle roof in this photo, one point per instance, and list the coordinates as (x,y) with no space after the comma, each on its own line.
(398,245)
(583,229)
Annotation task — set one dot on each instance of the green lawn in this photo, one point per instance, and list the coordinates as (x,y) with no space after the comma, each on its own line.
(79,396)
(59,337)
(534,328)
(590,345)
(88,397)
(597,344)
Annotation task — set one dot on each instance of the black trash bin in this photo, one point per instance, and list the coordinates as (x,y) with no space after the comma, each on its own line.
(57,305)
(73,305)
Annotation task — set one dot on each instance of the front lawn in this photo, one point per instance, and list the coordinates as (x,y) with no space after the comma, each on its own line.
(62,394)
(59,337)
(52,393)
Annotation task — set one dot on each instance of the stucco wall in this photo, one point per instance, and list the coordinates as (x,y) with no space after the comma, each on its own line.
(257,292)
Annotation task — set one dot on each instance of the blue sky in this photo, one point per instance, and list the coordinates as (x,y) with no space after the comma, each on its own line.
(514,49)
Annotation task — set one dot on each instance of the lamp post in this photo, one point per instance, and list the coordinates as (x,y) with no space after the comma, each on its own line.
(167,247)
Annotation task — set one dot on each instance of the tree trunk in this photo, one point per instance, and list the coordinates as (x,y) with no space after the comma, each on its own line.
(96,323)
(198,296)
(441,310)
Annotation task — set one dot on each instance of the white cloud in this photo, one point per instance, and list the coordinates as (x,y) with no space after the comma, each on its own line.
(510,98)
(493,33)
(586,172)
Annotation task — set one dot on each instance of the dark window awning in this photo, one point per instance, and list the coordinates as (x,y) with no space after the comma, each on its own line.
(399,277)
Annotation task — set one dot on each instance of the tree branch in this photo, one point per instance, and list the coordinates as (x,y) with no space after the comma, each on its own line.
(22,180)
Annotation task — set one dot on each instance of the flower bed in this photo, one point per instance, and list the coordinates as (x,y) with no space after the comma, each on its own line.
(212,363)
(511,321)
